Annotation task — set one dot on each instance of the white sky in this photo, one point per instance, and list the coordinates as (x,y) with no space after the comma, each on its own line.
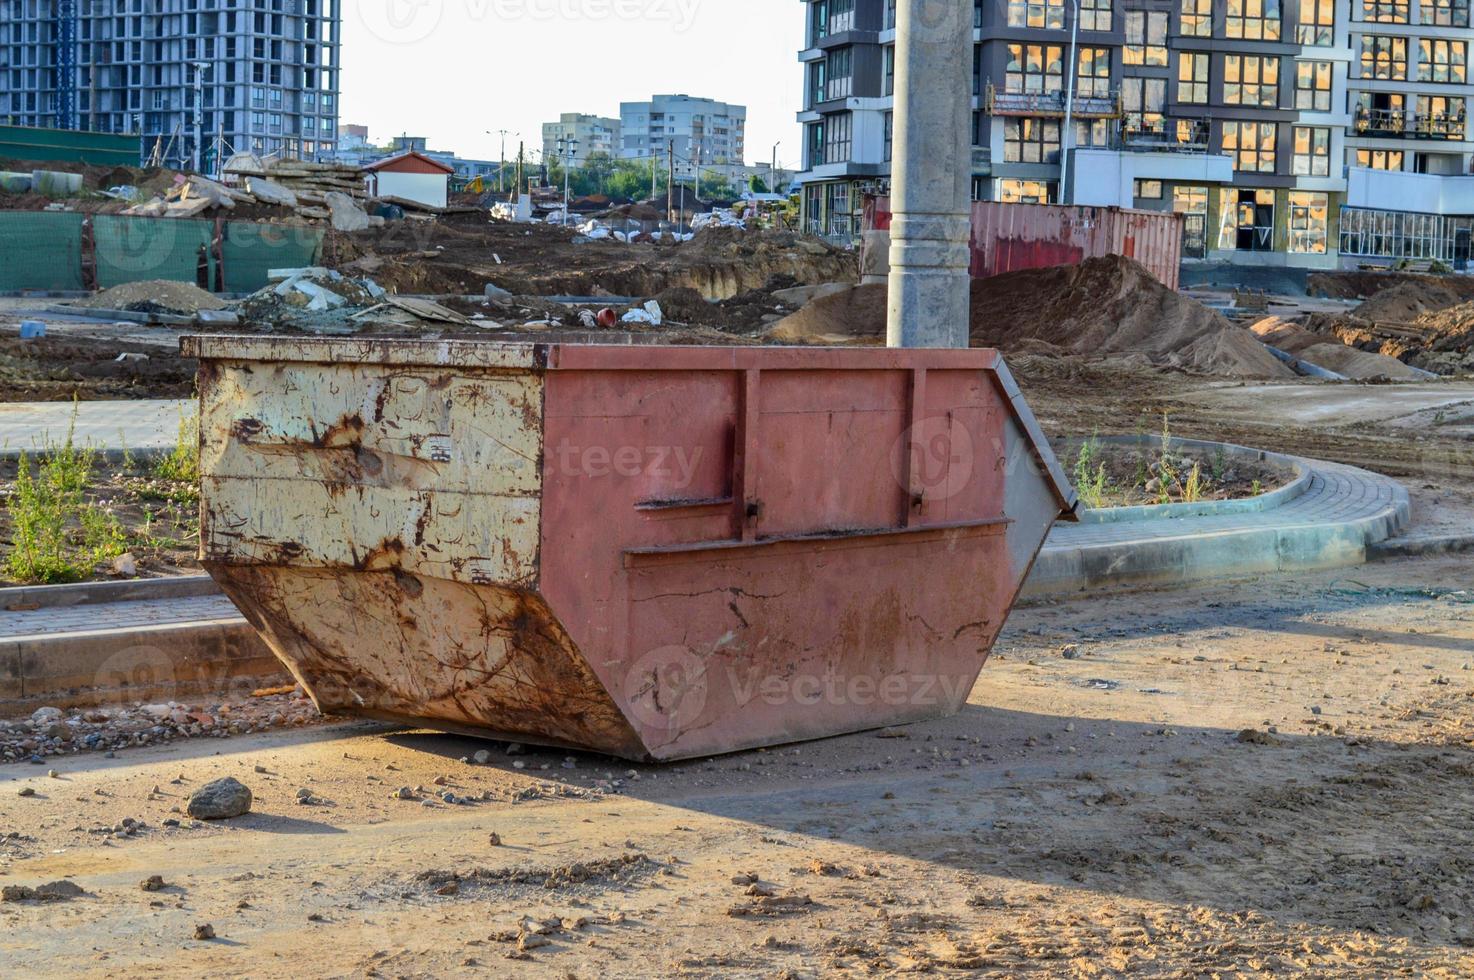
(450,70)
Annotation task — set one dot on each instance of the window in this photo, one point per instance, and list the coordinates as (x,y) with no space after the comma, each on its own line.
(1312,152)
(1309,222)
(1257,20)
(1246,220)
(1025,191)
(1197,18)
(1094,79)
(1442,61)
(1251,80)
(1095,15)
(1147,190)
(1144,100)
(839,70)
(1441,116)
(1030,140)
(841,16)
(1192,77)
(1385,11)
(890,70)
(1313,85)
(837,137)
(1383,57)
(1445,13)
(1317,25)
(890,134)
(1190,200)
(1047,14)
(1379,159)
(1146,38)
(1034,68)
(1252,146)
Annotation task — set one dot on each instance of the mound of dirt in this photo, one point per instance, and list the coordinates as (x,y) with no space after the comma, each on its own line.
(1109,305)
(154,296)
(1407,301)
(1366,283)
(1294,339)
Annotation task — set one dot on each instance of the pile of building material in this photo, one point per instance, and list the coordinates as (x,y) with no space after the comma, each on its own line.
(324,301)
(1427,323)
(190,197)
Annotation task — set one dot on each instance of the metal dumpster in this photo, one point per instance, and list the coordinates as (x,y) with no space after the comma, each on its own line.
(652,552)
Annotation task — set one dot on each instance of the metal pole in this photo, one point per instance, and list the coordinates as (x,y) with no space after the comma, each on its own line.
(199,114)
(929,299)
(773,174)
(1067,138)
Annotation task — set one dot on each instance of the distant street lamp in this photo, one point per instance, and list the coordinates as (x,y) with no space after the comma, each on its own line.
(200,67)
(501,163)
(569,149)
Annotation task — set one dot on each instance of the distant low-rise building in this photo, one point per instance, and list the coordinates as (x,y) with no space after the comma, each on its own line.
(412,176)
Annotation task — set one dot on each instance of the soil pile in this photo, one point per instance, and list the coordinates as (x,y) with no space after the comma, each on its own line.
(154,296)
(1109,305)
(1366,283)
(461,256)
(1332,355)
(1406,302)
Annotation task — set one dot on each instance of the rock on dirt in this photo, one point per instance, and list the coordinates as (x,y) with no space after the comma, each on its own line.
(220,800)
(55,891)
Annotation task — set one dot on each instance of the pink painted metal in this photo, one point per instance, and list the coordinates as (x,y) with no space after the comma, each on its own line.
(1012,237)
(716,549)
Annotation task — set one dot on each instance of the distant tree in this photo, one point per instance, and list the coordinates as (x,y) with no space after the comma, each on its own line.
(757,185)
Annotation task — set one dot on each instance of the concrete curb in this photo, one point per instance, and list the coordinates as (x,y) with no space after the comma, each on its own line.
(96,593)
(1418,547)
(153,663)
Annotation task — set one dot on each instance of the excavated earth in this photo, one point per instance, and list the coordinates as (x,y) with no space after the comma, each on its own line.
(461,254)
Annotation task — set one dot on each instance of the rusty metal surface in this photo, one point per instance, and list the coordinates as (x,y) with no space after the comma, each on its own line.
(650,552)
(1013,237)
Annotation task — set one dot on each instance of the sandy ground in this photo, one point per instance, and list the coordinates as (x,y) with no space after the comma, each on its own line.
(1096,809)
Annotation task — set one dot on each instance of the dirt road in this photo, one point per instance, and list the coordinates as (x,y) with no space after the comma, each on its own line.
(1275,777)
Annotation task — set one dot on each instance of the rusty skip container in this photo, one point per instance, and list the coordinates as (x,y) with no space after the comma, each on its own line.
(651,552)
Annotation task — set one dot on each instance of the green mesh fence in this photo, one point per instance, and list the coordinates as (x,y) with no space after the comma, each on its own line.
(40,250)
(250,250)
(134,249)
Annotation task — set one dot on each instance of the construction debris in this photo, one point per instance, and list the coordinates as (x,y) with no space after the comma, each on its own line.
(153,296)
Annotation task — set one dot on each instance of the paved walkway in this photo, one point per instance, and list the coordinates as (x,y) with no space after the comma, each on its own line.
(139,614)
(1342,514)
(100,425)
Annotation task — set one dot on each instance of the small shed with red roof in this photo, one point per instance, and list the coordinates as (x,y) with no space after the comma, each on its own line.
(411,176)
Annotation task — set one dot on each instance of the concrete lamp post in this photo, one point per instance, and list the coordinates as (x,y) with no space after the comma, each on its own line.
(931,224)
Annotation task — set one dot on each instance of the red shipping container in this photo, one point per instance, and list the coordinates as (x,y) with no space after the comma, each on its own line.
(1012,237)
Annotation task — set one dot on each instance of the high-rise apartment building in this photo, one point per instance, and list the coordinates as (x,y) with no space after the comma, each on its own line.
(595,134)
(702,131)
(1286,131)
(266,70)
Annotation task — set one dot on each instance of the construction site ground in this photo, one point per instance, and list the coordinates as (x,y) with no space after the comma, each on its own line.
(1263,778)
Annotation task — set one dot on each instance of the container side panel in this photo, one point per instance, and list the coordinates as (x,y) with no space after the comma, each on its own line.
(826,450)
(790,641)
(348,466)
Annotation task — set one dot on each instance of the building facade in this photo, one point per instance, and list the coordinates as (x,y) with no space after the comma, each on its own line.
(595,134)
(700,132)
(268,72)
(1293,132)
